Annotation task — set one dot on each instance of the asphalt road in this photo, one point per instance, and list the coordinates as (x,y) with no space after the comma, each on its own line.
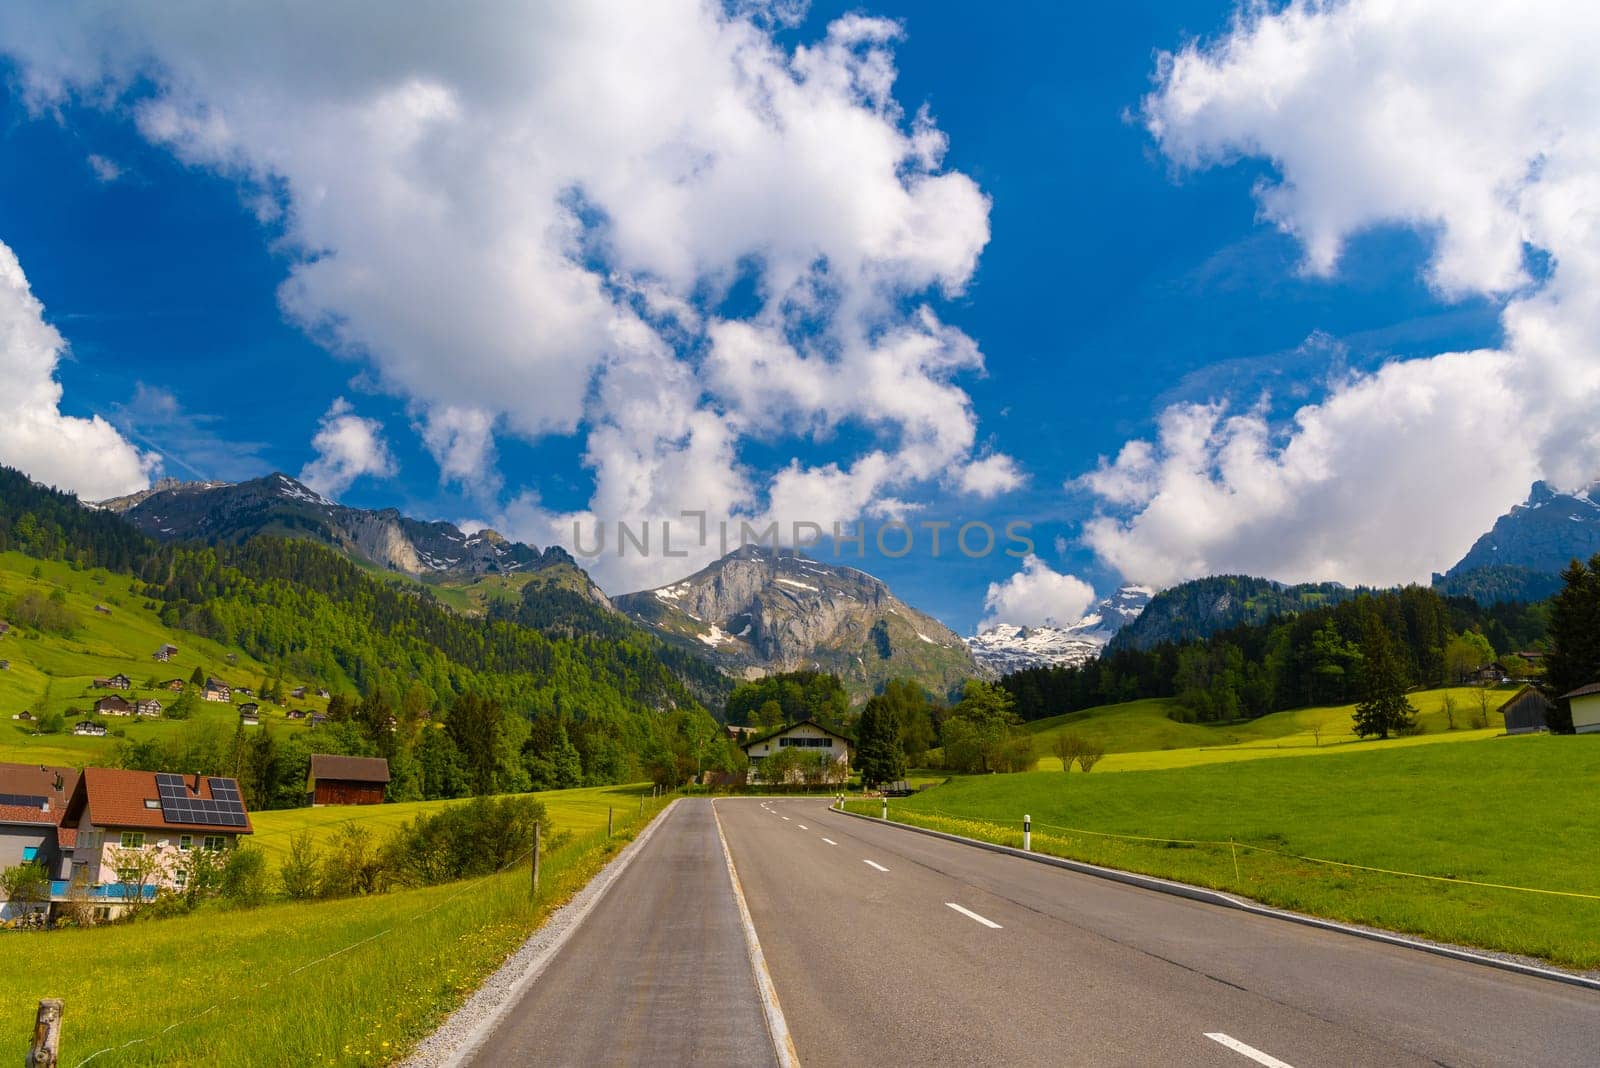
(658,974)
(892,948)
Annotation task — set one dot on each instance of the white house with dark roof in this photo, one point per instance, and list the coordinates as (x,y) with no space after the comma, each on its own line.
(1585,705)
(806,737)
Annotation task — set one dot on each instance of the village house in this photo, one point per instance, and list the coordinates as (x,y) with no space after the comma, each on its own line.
(1585,704)
(807,736)
(88,728)
(318,718)
(33,804)
(24,715)
(740,734)
(102,609)
(175,685)
(216,690)
(5,628)
(298,693)
(165,653)
(115,682)
(250,714)
(347,780)
(296,713)
(113,706)
(136,831)
(147,707)
(321,692)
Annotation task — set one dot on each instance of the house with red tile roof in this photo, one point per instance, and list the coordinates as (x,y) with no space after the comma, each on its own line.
(136,830)
(33,806)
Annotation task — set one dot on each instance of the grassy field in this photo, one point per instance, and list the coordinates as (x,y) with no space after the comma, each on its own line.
(1516,811)
(362,979)
(1139,735)
(578,811)
(54,673)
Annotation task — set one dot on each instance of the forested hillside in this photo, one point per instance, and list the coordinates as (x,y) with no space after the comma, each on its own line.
(457,704)
(1311,658)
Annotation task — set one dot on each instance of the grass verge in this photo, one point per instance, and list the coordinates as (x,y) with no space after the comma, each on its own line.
(1513,811)
(351,982)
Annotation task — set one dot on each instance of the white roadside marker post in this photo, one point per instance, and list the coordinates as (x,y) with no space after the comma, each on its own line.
(886,808)
(1027,834)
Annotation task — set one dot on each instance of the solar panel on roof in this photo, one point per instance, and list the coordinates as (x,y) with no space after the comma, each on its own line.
(224,808)
(28,800)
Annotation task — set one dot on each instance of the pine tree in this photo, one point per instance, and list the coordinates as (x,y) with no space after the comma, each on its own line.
(880,756)
(1574,658)
(1384,708)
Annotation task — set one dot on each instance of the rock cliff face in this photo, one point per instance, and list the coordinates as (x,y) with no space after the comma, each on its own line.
(755,612)
(277,504)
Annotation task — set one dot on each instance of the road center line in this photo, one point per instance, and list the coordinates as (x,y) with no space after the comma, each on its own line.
(1249,1051)
(785,818)
(802,826)
(830,841)
(969,914)
(874,864)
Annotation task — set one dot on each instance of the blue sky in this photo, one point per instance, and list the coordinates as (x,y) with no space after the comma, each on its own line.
(1116,283)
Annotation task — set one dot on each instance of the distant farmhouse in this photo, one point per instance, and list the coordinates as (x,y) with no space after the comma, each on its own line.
(175,685)
(250,714)
(5,628)
(807,736)
(147,707)
(347,780)
(165,653)
(1585,703)
(113,706)
(115,682)
(216,690)
(88,728)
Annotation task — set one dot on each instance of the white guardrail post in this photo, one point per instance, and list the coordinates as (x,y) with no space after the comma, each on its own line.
(885,808)
(1027,834)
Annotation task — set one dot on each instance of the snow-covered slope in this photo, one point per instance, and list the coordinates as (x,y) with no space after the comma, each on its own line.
(1006,647)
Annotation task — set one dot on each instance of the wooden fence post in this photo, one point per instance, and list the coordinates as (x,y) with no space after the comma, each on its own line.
(536,859)
(610,812)
(46,1034)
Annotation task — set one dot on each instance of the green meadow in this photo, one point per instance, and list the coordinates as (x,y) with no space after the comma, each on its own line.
(578,811)
(1141,736)
(1517,811)
(363,979)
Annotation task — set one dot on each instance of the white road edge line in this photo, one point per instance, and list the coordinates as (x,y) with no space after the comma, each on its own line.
(777,1026)
(969,914)
(830,841)
(1249,1051)
(874,864)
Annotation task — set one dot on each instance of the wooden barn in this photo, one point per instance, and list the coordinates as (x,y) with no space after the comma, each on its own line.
(1525,711)
(347,780)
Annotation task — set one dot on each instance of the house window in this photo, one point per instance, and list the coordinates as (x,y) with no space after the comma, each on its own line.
(30,853)
(132,839)
(186,842)
(214,842)
(127,875)
(180,877)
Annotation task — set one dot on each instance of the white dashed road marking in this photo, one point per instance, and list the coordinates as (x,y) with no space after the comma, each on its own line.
(969,914)
(830,841)
(1249,1051)
(873,864)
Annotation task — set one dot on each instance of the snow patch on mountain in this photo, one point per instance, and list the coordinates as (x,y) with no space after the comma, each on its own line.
(1008,647)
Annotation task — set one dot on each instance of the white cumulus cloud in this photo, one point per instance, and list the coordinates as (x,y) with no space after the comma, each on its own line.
(1037,595)
(348,446)
(525,217)
(86,456)
(1477,124)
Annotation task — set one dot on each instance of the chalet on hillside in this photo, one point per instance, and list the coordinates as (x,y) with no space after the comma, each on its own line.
(113,706)
(250,714)
(1525,711)
(296,713)
(165,653)
(115,682)
(347,780)
(298,693)
(147,707)
(216,690)
(739,734)
(318,718)
(5,628)
(24,715)
(175,685)
(88,728)
(322,693)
